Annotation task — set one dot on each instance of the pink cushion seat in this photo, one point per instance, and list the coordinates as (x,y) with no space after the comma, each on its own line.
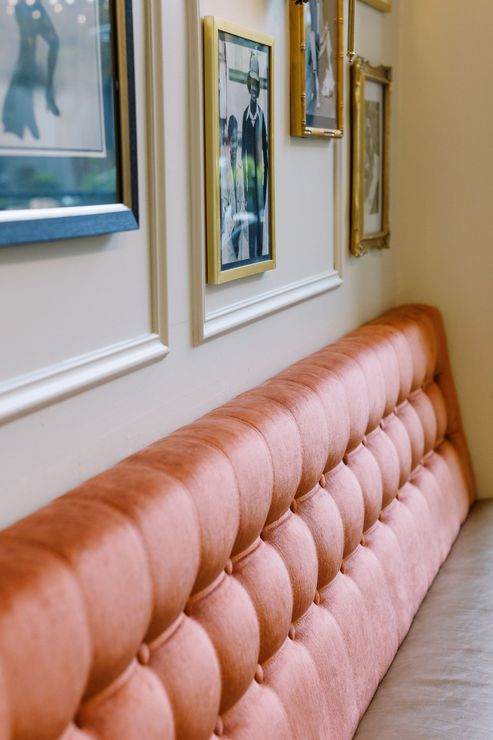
(252,574)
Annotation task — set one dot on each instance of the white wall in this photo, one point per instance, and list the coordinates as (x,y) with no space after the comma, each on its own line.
(68,299)
(445,183)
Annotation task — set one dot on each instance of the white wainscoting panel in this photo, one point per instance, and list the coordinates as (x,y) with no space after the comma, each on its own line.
(26,393)
(210,323)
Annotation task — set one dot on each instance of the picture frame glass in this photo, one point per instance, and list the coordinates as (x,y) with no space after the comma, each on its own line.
(373,157)
(245,168)
(321,51)
(60,128)
(370,156)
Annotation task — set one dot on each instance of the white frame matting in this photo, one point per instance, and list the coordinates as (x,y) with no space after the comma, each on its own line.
(209,324)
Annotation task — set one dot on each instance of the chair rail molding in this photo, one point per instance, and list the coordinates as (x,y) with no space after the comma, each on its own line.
(206,325)
(30,392)
(36,390)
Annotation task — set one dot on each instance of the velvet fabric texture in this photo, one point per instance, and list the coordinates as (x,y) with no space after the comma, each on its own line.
(253,574)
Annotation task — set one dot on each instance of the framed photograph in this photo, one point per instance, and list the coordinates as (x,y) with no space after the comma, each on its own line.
(370,156)
(239,118)
(317,53)
(385,5)
(68,163)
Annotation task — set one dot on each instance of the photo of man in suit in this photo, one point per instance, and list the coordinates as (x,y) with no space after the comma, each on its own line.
(245,172)
(255,156)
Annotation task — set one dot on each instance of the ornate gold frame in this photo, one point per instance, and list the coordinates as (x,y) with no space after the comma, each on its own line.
(215,274)
(385,5)
(297,65)
(362,70)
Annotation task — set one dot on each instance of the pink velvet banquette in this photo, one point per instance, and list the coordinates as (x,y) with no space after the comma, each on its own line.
(252,575)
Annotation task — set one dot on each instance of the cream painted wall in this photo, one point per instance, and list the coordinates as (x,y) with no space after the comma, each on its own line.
(62,300)
(445,182)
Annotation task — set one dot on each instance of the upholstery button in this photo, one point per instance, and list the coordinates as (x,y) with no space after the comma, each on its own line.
(144,654)
(292,632)
(316,598)
(323,482)
(343,567)
(229,568)
(219,728)
(294,507)
(363,541)
(259,674)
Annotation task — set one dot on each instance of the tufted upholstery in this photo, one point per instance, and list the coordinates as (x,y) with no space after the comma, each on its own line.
(253,574)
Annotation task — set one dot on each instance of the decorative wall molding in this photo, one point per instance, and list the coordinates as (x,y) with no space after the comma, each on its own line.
(27,393)
(243,312)
(197,169)
(207,325)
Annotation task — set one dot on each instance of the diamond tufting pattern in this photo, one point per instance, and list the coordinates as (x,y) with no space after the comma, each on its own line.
(253,574)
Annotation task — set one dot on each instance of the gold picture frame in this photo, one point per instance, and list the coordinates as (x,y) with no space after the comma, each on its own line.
(371,90)
(317,95)
(385,5)
(240,183)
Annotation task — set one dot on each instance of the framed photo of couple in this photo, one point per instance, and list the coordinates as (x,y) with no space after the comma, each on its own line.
(316,60)
(370,157)
(68,155)
(239,126)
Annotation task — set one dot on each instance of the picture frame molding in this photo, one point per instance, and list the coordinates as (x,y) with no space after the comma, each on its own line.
(215,274)
(299,126)
(207,325)
(22,226)
(361,71)
(45,386)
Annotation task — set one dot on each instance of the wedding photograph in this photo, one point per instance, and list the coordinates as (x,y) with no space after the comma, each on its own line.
(241,125)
